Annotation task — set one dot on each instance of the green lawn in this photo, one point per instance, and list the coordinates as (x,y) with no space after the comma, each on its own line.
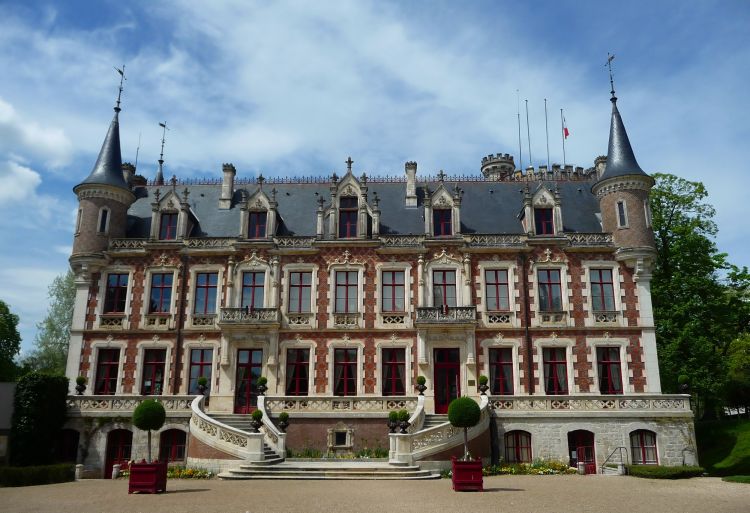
(724,447)
(737,479)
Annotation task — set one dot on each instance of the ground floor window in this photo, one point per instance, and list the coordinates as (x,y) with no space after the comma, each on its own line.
(172,445)
(643,447)
(394,371)
(517,447)
(297,371)
(345,372)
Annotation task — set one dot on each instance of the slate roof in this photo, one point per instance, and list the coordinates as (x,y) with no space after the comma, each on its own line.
(620,157)
(108,167)
(487,207)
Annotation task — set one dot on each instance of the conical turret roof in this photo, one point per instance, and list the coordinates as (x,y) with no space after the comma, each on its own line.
(620,157)
(108,167)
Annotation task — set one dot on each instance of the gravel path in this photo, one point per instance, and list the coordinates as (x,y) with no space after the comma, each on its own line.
(516,494)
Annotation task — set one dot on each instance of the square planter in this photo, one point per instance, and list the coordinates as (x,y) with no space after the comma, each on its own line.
(467,475)
(148,477)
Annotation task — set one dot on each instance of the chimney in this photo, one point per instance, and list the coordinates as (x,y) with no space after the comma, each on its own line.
(600,164)
(227,186)
(128,171)
(411,184)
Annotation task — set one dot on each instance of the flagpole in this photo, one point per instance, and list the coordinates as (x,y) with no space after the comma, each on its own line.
(546,131)
(518,115)
(562,134)
(528,133)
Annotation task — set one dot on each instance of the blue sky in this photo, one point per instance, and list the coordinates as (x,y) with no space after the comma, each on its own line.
(293,88)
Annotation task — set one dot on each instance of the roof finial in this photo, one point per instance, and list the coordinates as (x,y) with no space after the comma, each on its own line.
(610,58)
(119,92)
(349,163)
(160,174)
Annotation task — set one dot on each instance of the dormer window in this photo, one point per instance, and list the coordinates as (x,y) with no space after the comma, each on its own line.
(441,219)
(348,218)
(543,221)
(257,225)
(168,226)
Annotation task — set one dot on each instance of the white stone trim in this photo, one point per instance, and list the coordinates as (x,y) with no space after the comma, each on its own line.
(566,291)
(201,343)
(109,343)
(394,343)
(543,198)
(190,292)
(624,204)
(592,343)
(405,267)
(502,343)
(346,343)
(346,267)
(297,344)
(513,293)
(285,288)
(104,275)
(155,343)
(617,290)
(445,262)
(146,296)
(99,220)
(252,264)
(538,358)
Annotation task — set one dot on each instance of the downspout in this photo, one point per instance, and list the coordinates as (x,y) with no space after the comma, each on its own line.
(180,321)
(527,322)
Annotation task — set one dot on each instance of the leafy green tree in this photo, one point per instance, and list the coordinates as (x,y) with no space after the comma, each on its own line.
(698,297)
(738,363)
(10,343)
(53,333)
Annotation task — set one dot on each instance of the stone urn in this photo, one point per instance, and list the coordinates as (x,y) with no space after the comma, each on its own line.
(404,425)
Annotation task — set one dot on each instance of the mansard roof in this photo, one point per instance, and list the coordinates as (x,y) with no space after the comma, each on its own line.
(487,207)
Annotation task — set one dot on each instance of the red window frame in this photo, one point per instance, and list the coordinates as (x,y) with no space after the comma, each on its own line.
(252,289)
(116,293)
(345,371)
(161,293)
(442,222)
(152,379)
(609,369)
(205,286)
(107,368)
(550,290)
(348,206)
(172,445)
(304,291)
(555,366)
(346,291)
(441,287)
(394,371)
(602,290)
(517,447)
(543,221)
(168,226)
(201,364)
(256,226)
(392,291)
(297,371)
(643,442)
(501,371)
(496,285)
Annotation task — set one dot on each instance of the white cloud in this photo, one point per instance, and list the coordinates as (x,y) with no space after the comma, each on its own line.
(25,137)
(19,183)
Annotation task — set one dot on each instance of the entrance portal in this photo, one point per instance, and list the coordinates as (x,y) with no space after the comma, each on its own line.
(249,365)
(581,449)
(119,443)
(447,377)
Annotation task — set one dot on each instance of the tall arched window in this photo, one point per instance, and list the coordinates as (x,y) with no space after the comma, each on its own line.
(643,447)
(172,445)
(518,447)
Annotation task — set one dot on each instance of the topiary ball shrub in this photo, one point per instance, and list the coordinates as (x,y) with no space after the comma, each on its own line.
(483,380)
(403,415)
(421,380)
(148,415)
(81,380)
(202,381)
(393,416)
(283,417)
(464,412)
(261,381)
(257,415)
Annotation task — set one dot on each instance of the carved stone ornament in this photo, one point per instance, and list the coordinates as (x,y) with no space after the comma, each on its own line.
(109,340)
(346,261)
(499,337)
(554,335)
(349,191)
(163,258)
(442,202)
(444,257)
(253,261)
(548,258)
(155,339)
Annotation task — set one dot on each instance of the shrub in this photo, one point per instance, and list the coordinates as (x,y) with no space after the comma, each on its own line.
(81,380)
(393,416)
(257,415)
(202,381)
(483,380)
(664,472)
(737,479)
(537,468)
(261,381)
(149,415)
(367,453)
(464,412)
(421,380)
(283,417)
(38,414)
(403,416)
(38,475)
(180,472)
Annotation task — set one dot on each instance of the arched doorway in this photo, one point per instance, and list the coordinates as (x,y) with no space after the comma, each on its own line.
(581,450)
(119,443)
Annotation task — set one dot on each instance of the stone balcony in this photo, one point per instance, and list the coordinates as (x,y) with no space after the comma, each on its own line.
(592,405)
(442,316)
(249,318)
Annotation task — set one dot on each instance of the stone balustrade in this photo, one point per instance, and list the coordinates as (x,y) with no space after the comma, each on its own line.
(607,405)
(123,405)
(238,443)
(338,406)
(249,317)
(448,315)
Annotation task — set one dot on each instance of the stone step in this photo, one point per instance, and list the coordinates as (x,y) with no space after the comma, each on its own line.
(372,477)
(328,470)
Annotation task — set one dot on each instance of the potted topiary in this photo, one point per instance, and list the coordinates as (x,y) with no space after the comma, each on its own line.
(257,420)
(403,420)
(260,384)
(683,383)
(202,384)
(483,387)
(283,421)
(393,420)
(464,412)
(148,476)
(80,384)
(421,380)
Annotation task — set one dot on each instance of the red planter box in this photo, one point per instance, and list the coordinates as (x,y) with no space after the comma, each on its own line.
(148,477)
(467,475)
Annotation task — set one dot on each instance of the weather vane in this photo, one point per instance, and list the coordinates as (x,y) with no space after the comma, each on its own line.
(122,78)
(163,136)
(610,58)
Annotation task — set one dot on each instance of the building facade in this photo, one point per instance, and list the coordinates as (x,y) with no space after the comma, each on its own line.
(341,291)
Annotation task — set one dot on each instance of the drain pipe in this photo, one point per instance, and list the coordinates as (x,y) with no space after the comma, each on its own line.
(527,323)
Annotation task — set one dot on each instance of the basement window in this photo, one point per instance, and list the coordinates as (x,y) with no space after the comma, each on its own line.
(339,439)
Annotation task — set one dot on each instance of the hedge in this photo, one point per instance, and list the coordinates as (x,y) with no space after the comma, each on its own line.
(39,475)
(663,472)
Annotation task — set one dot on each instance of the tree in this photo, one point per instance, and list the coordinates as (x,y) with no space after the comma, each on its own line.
(10,343)
(53,333)
(738,383)
(150,415)
(699,298)
(464,412)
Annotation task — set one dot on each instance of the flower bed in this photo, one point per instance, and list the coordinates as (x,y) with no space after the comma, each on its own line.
(536,468)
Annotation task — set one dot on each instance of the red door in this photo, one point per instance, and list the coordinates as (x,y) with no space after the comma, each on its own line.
(581,447)
(447,375)
(249,365)
(119,442)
